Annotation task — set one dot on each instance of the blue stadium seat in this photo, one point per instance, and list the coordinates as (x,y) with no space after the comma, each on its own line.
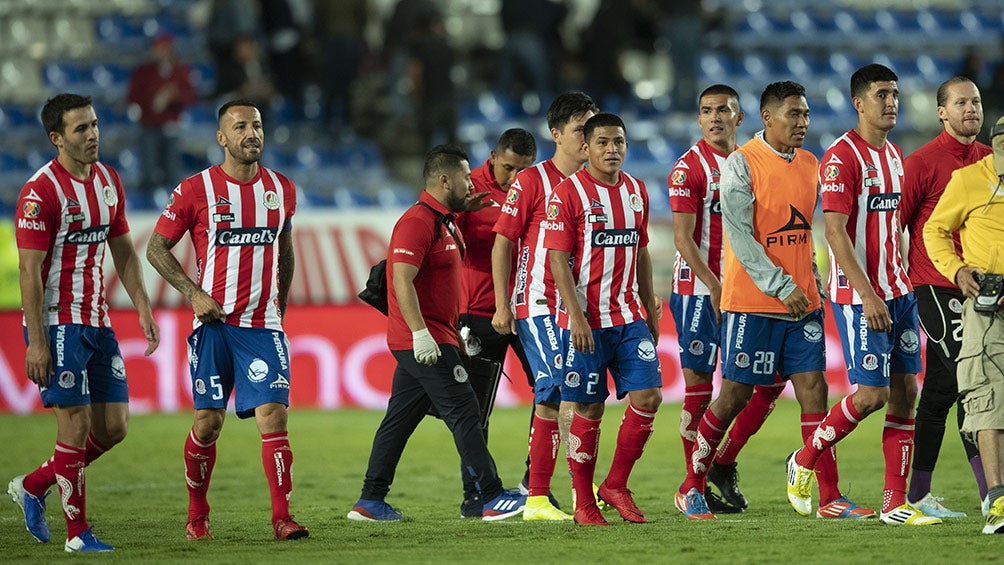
(62,76)
(396,197)
(716,66)
(14,117)
(352,198)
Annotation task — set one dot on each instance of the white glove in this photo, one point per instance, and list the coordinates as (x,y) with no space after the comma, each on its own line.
(426,350)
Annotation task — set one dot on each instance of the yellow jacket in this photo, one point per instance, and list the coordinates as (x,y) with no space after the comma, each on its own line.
(961,208)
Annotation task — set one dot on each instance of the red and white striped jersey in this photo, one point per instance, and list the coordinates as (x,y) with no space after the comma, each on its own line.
(693,189)
(866,183)
(71,219)
(523,213)
(603,227)
(235,229)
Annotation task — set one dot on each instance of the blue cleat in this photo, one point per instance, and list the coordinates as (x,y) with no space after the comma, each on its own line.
(693,505)
(373,511)
(507,504)
(33,508)
(86,543)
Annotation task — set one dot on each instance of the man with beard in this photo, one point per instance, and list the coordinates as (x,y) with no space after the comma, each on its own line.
(239,215)
(423,295)
(939,301)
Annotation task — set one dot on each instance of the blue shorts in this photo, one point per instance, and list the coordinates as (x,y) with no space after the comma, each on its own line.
(872,356)
(698,331)
(627,351)
(542,342)
(254,361)
(87,364)
(757,347)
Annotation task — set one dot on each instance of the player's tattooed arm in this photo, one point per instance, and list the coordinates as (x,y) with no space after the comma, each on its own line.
(158,253)
(286,264)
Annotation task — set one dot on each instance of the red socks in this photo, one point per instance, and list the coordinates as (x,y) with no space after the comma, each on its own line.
(839,421)
(897,447)
(199,461)
(277,458)
(544,442)
(39,480)
(583,440)
(695,401)
(636,428)
(68,466)
(826,464)
(709,434)
(749,421)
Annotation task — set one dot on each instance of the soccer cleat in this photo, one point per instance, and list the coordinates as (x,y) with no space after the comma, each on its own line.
(471,507)
(717,505)
(693,505)
(600,503)
(985,506)
(540,508)
(907,515)
(198,529)
(33,508)
(86,543)
(932,506)
(726,478)
(995,518)
(507,504)
(590,516)
(799,485)
(524,488)
(373,511)
(289,529)
(842,508)
(621,500)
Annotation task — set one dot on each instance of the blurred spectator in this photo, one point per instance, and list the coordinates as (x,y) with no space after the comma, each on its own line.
(431,64)
(228,21)
(528,58)
(400,31)
(683,27)
(972,66)
(161,88)
(994,92)
(284,23)
(619,25)
(340,30)
(248,77)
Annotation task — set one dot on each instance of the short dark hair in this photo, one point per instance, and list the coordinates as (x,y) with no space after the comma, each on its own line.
(943,89)
(602,119)
(519,140)
(718,89)
(55,107)
(441,159)
(233,103)
(776,92)
(869,74)
(568,105)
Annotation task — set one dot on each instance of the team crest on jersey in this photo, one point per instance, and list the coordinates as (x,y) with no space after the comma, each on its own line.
(257,370)
(271,200)
(909,341)
(897,166)
(552,211)
(678,176)
(831,172)
(557,361)
(512,196)
(636,203)
(955,306)
(742,360)
(870,362)
(459,374)
(110,197)
(572,379)
(31,210)
(67,379)
(696,347)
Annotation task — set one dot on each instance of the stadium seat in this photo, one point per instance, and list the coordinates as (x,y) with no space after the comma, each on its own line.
(62,76)
(715,66)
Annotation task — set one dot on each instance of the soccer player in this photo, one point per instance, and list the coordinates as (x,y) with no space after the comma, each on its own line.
(68,213)
(873,303)
(239,215)
(515,151)
(973,207)
(527,307)
(697,290)
(939,302)
(423,297)
(596,233)
(772,315)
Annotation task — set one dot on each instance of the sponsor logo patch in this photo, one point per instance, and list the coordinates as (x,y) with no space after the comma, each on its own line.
(257,370)
(552,211)
(646,350)
(831,172)
(679,177)
(31,210)
(239,237)
(118,368)
(909,341)
(813,332)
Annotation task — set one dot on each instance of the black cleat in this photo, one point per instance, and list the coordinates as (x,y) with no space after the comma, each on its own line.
(726,478)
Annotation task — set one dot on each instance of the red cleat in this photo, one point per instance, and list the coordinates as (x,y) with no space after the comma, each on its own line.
(590,516)
(622,501)
(289,529)
(198,529)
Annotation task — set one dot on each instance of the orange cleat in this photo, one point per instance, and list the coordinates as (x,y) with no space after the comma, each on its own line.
(289,529)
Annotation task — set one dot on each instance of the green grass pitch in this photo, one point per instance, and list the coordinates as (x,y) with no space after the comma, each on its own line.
(137,499)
